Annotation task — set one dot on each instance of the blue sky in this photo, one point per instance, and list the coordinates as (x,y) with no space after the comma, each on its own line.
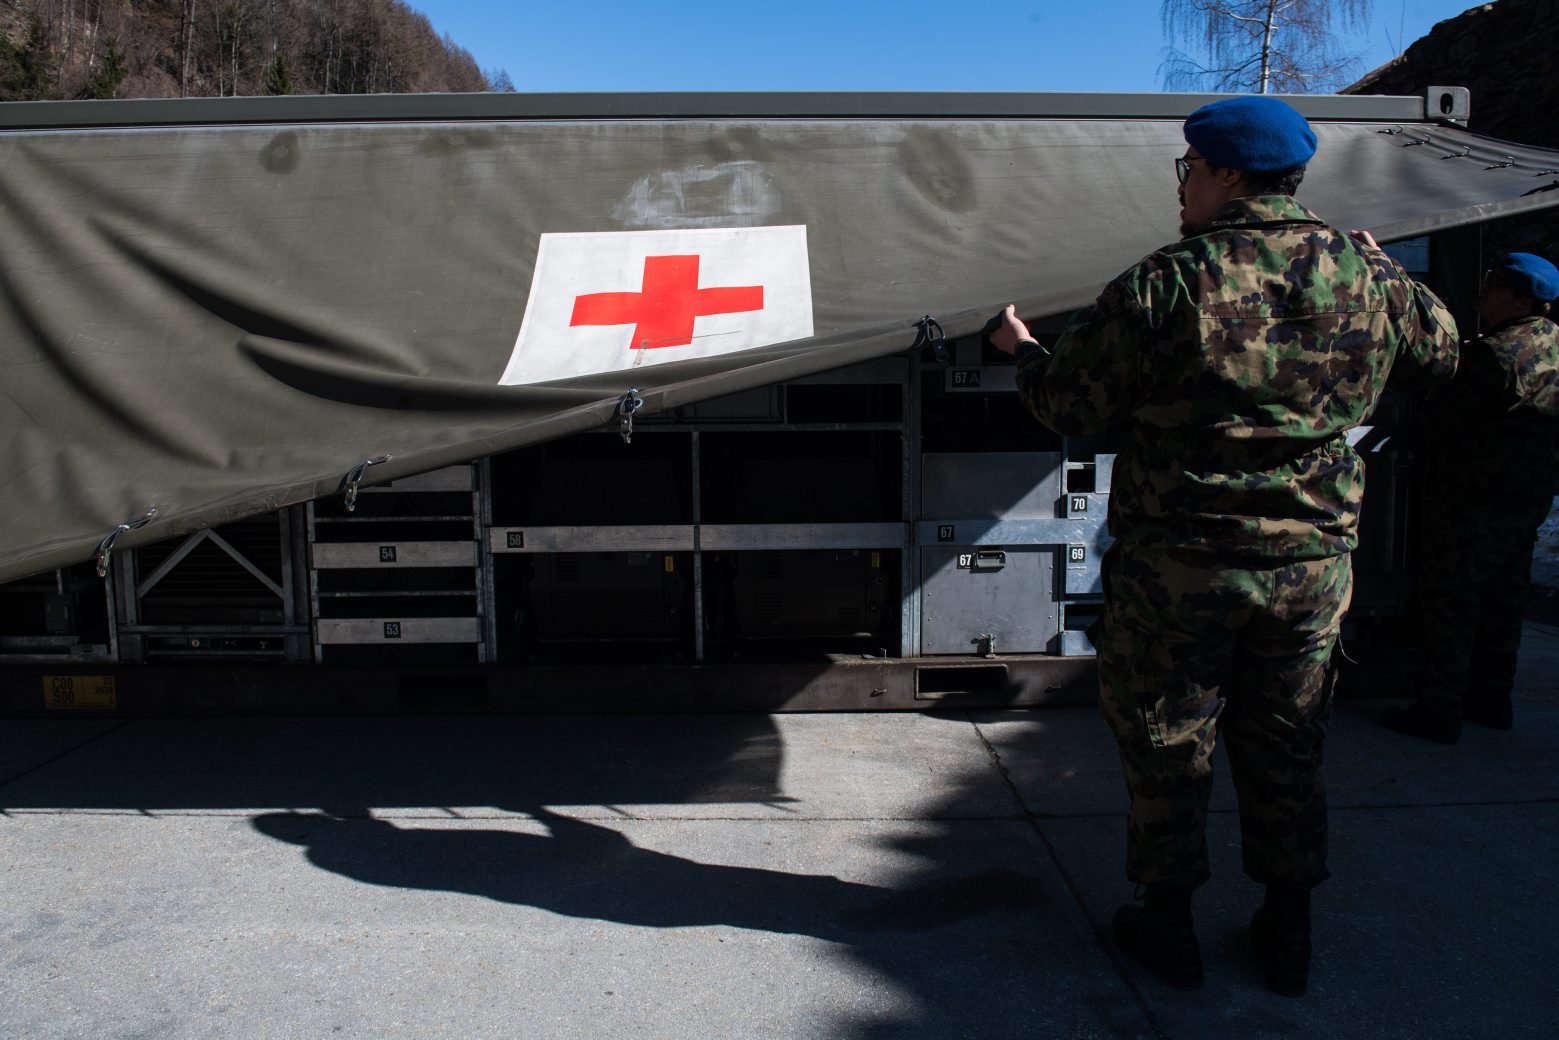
(631,45)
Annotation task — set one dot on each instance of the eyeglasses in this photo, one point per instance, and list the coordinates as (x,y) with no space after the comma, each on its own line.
(1183,167)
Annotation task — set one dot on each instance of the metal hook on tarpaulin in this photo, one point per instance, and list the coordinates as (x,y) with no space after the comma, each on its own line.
(1544,173)
(1393,131)
(1412,141)
(626,405)
(354,477)
(1510,160)
(928,332)
(105,548)
(1466,150)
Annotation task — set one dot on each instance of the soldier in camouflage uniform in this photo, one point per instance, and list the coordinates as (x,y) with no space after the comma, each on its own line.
(1236,359)
(1492,437)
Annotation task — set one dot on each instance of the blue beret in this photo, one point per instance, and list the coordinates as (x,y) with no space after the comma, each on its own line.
(1529,275)
(1254,134)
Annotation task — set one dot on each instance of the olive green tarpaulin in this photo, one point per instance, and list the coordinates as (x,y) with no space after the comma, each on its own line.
(225,318)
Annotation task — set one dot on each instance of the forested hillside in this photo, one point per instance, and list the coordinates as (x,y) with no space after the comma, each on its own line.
(176,48)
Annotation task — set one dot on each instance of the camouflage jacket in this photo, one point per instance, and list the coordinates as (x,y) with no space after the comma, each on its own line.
(1494,429)
(1238,358)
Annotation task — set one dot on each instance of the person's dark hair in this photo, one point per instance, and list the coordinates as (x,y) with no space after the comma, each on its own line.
(1285,182)
(1522,290)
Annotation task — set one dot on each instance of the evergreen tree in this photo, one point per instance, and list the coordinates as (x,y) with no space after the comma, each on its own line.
(27,71)
(111,70)
(278,77)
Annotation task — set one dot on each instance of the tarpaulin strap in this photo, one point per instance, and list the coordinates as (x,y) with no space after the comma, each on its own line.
(928,332)
(628,404)
(105,548)
(354,477)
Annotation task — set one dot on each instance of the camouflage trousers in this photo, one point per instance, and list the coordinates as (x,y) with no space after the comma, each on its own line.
(1474,566)
(1189,650)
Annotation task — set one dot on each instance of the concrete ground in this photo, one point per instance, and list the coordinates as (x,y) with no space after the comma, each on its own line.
(867,876)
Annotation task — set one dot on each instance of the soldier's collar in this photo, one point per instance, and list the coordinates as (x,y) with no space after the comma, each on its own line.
(1261,209)
(1509,323)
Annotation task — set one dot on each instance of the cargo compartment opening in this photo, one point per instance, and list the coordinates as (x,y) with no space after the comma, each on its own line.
(933,683)
(801,603)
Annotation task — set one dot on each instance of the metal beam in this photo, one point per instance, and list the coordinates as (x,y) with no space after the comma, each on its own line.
(442,108)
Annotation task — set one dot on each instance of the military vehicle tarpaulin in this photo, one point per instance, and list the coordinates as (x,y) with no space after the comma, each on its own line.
(211,308)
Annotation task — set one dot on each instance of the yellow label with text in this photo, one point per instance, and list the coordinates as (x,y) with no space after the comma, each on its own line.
(876,561)
(79,691)
(671,564)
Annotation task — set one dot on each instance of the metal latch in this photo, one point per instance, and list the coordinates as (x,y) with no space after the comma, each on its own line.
(626,405)
(928,332)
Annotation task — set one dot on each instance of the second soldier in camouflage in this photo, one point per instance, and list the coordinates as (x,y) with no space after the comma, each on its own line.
(1492,435)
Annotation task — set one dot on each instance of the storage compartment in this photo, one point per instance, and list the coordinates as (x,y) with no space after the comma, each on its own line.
(58,615)
(793,478)
(988,600)
(398,580)
(841,600)
(605,597)
(595,480)
(233,591)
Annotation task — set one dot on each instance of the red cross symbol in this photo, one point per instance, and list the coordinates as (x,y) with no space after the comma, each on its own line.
(662,312)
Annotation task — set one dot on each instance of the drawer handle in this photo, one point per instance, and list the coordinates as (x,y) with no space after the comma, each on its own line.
(990,559)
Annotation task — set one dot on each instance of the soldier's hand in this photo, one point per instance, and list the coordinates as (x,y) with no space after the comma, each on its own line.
(1010,332)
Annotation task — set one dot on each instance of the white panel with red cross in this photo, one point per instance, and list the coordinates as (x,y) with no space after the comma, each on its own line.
(610,300)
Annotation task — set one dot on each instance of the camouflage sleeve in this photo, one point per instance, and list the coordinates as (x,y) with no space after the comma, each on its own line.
(1543,397)
(1093,376)
(1530,364)
(1426,339)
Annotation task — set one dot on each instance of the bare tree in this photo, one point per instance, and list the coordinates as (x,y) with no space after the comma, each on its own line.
(1259,46)
(186,44)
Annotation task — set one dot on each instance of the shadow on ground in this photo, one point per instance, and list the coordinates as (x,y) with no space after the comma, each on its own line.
(929,892)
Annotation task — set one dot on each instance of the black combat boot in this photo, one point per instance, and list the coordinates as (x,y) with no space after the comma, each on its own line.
(1158,933)
(1280,936)
(1422,719)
